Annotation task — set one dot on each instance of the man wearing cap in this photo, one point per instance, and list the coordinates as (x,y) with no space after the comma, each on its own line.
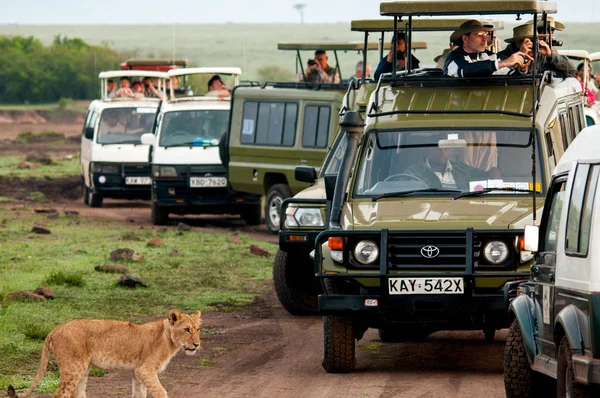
(547,59)
(471,59)
(386,63)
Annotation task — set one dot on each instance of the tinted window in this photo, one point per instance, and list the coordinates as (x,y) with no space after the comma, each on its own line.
(316,126)
(269,123)
(580,210)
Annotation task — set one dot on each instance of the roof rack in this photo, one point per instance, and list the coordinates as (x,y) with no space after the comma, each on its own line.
(466,7)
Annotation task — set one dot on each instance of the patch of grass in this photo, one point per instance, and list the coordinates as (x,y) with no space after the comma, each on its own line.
(65,278)
(96,372)
(205,362)
(36,196)
(210,274)
(59,168)
(6,199)
(374,347)
(28,137)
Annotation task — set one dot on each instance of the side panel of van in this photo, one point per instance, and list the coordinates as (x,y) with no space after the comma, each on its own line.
(87,143)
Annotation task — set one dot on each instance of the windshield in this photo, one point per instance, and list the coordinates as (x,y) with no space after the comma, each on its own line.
(459,161)
(198,127)
(335,156)
(125,125)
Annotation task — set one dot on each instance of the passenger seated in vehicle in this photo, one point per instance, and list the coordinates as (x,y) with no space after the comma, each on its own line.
(150,90)
(358,72)
(111,88)
(591,95)
(521,42)
(124,88)
(138,89)
(217,88)
(438,171)
(385,65)
(110,124)
(471,59)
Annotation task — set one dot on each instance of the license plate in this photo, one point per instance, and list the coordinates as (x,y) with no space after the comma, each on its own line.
(138,180)
(208,182)
(426,286)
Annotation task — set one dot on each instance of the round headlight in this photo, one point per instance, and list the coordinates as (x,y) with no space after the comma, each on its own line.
(366,252)
(496,252)
(101,179)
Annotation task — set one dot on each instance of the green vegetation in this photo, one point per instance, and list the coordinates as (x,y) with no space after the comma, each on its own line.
(212,274)
(59,168)
(65,68)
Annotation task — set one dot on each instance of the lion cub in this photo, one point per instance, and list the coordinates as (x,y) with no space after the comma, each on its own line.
(113,345)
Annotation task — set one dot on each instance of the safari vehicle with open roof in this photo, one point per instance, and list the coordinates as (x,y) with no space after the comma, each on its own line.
(303,216)
(280,125)
(188,176)
(555,328)
(592,110)
(114,162)
(409,251)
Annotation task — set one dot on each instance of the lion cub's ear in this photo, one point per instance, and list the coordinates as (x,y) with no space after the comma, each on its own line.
(196,318)
(174,316)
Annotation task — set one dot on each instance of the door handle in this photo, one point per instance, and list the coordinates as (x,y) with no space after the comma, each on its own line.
(535,271)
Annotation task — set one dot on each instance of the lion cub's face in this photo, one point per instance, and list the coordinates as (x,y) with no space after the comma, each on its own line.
(185,330)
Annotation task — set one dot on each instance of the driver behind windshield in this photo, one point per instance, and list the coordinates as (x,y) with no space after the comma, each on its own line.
(438,171)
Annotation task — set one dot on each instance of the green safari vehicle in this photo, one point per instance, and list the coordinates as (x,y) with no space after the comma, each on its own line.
(409,251)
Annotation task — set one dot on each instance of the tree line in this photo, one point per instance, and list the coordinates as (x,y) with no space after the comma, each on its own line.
(67,68)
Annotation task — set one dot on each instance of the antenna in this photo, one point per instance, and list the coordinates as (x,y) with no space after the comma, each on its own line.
(173,53)
(300,8)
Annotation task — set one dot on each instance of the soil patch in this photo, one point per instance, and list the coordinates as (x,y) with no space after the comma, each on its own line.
(53,189)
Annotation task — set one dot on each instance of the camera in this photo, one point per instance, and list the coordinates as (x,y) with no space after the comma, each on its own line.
(557,43)
(311,62)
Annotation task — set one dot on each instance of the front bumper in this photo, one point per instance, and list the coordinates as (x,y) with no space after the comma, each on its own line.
(586,369)
(114,185)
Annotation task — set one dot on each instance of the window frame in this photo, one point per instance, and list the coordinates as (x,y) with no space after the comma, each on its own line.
(552,191)
(286,104)
(316,136)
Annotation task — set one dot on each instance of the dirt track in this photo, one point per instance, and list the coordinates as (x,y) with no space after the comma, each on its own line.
(264,352)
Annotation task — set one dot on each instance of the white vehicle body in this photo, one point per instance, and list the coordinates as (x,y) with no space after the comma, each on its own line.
(188,175)
(114,162)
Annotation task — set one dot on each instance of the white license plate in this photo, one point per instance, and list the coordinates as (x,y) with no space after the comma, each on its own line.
(208,182)
(426,286)
(138,180)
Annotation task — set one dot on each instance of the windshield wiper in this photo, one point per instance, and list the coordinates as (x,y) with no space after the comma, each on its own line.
(405,193)
(180,144)
(488,190)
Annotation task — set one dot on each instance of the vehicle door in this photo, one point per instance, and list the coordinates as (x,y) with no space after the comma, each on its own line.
(87,141)
(543,272)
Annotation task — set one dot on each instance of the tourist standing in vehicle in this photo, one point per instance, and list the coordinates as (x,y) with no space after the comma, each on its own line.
(124,88)
(385,65)
(321,59)
(111,88)
(217,88)
(548,59)
(358,73)
(471,59)
(591,95)
(150,91)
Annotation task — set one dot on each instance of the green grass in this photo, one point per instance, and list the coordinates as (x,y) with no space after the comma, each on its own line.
(212,274)
(59,168)
(254,46)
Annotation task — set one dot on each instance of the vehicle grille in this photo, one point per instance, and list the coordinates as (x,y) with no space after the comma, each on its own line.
(140,170)
(406,251)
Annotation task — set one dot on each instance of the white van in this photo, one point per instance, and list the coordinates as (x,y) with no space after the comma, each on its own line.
(188,176)
(114,162)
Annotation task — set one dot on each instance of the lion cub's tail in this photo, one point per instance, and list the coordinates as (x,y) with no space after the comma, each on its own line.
(46,350)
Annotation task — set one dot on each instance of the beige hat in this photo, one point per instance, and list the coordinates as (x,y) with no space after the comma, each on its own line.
(445,52)
(553,24)
(523,32)
(471,25)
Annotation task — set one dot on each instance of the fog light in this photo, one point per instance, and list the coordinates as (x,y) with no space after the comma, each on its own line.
(101,179)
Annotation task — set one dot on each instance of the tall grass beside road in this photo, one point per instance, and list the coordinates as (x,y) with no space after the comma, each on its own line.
(191,270)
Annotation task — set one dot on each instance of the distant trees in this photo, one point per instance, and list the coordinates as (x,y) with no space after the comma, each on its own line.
(67,68)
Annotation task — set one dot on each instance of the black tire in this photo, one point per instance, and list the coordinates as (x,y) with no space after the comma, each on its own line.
(85,192)
(399,334)
(159,215)
(276,194)
(252,215)
(94,200)
(295,285)
(518,375)
(339,351)
(565,376)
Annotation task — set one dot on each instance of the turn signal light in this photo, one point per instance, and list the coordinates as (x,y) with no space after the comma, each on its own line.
(521,243)
(335,243)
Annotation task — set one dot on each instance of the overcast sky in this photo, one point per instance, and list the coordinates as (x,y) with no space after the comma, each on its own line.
(220,11)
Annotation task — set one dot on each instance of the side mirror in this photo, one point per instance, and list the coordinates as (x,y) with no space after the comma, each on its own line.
(147,139)
(532,238)
(89,133)
(330,181)
(305,174)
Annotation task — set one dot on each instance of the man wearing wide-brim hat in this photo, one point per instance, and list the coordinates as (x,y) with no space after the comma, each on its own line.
(547,59)
(471,59)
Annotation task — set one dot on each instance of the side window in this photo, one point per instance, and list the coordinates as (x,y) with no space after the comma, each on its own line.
(564,129)
(88,116)
(93,119)
(316,126)
(552,223)
(269,123)
(579,217)
(574,123)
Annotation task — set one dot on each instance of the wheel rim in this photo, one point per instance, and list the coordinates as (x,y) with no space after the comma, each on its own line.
(274,208)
